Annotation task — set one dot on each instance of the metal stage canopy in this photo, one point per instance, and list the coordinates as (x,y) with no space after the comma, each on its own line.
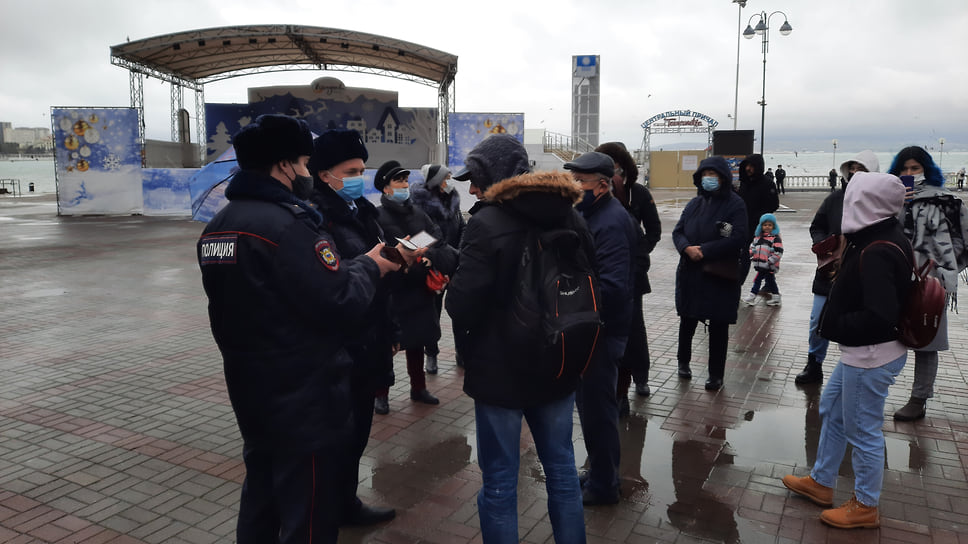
(192,58)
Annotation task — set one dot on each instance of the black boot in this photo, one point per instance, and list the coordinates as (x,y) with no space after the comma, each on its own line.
(684,371)
(912,411)
(812,373)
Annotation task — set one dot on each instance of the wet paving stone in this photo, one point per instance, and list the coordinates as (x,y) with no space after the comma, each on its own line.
(115,424)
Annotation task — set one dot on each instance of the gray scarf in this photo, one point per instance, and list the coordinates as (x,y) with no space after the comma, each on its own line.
(936,222)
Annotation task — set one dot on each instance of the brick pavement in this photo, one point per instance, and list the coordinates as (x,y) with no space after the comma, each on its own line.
(115,426)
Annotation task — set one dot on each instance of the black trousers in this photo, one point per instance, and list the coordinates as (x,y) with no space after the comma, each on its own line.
(718,339)
(289,497)
(636,360)
(598,412)
(348,478)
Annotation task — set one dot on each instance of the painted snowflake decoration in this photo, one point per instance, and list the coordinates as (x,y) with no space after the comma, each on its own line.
(112,162)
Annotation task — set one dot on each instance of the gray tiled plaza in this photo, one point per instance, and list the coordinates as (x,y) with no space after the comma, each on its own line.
(115,424)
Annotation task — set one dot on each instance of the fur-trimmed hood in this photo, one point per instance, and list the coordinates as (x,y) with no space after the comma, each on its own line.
(544,197)
(559,183)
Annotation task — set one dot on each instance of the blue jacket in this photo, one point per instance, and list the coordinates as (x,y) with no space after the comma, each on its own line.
(616,245)
(715,221)
(281,304)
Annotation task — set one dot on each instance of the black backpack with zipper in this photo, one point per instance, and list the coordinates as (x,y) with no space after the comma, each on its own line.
(554,315)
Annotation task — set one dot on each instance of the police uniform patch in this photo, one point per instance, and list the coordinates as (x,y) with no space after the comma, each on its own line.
(218,249)
(326,255)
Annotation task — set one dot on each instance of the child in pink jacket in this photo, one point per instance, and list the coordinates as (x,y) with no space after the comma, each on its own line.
(765,253)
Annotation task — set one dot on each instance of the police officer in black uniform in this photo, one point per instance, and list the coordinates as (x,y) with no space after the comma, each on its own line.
(337,165)
(281,303)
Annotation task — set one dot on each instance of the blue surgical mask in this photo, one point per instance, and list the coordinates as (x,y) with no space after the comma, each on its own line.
(400,195)
(710,183)
(352,188)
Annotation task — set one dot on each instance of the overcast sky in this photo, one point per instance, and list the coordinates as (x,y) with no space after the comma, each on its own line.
(870,73)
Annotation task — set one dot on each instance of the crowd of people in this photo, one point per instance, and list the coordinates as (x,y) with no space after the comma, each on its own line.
(313,289)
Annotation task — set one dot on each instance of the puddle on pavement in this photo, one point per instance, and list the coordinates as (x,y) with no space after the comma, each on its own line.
(670,474)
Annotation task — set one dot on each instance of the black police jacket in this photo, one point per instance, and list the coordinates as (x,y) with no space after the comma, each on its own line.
(356,232)
(281,304)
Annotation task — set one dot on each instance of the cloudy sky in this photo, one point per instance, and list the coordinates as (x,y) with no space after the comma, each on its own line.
(870,73)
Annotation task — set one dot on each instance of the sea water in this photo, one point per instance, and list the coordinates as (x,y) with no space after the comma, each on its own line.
(41,172)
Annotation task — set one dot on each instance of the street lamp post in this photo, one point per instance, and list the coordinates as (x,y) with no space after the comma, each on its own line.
(763,29)
(834,141)
(941,153)
(739,25)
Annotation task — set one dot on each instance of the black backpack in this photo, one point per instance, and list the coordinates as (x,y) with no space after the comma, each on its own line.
(554,315)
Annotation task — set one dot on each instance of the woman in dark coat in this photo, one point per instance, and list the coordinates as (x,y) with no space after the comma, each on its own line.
(438,199)
(640,204)
(412,301)
(710,235)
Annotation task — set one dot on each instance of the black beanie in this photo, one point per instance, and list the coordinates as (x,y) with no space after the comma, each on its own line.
(335,146)
(270,139)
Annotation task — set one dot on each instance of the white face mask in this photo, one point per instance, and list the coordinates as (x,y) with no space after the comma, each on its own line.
(919,178)
(446,187)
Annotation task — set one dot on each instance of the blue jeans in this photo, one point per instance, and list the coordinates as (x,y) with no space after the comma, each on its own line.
(817,345)
(852,411)
(499,456)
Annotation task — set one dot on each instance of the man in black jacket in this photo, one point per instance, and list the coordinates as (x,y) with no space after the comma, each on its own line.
(337,165)
(496,374)
(281,303)
(616,240)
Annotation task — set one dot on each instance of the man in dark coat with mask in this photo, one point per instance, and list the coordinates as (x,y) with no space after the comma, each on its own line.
(616,243)
(512,203)
(282,301)
(337,165)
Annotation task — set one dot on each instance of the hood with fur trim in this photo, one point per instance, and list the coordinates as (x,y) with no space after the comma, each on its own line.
(544,197)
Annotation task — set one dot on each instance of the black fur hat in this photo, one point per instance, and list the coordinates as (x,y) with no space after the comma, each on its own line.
(335,146)
(270,139)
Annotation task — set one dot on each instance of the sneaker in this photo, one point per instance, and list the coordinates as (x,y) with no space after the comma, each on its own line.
(774,300)
(431,364)
(750,299)
(807,487)
(853,514)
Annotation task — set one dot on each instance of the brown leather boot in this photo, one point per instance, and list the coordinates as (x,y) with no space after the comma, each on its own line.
(853,514)
(807,487)
(912,411)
